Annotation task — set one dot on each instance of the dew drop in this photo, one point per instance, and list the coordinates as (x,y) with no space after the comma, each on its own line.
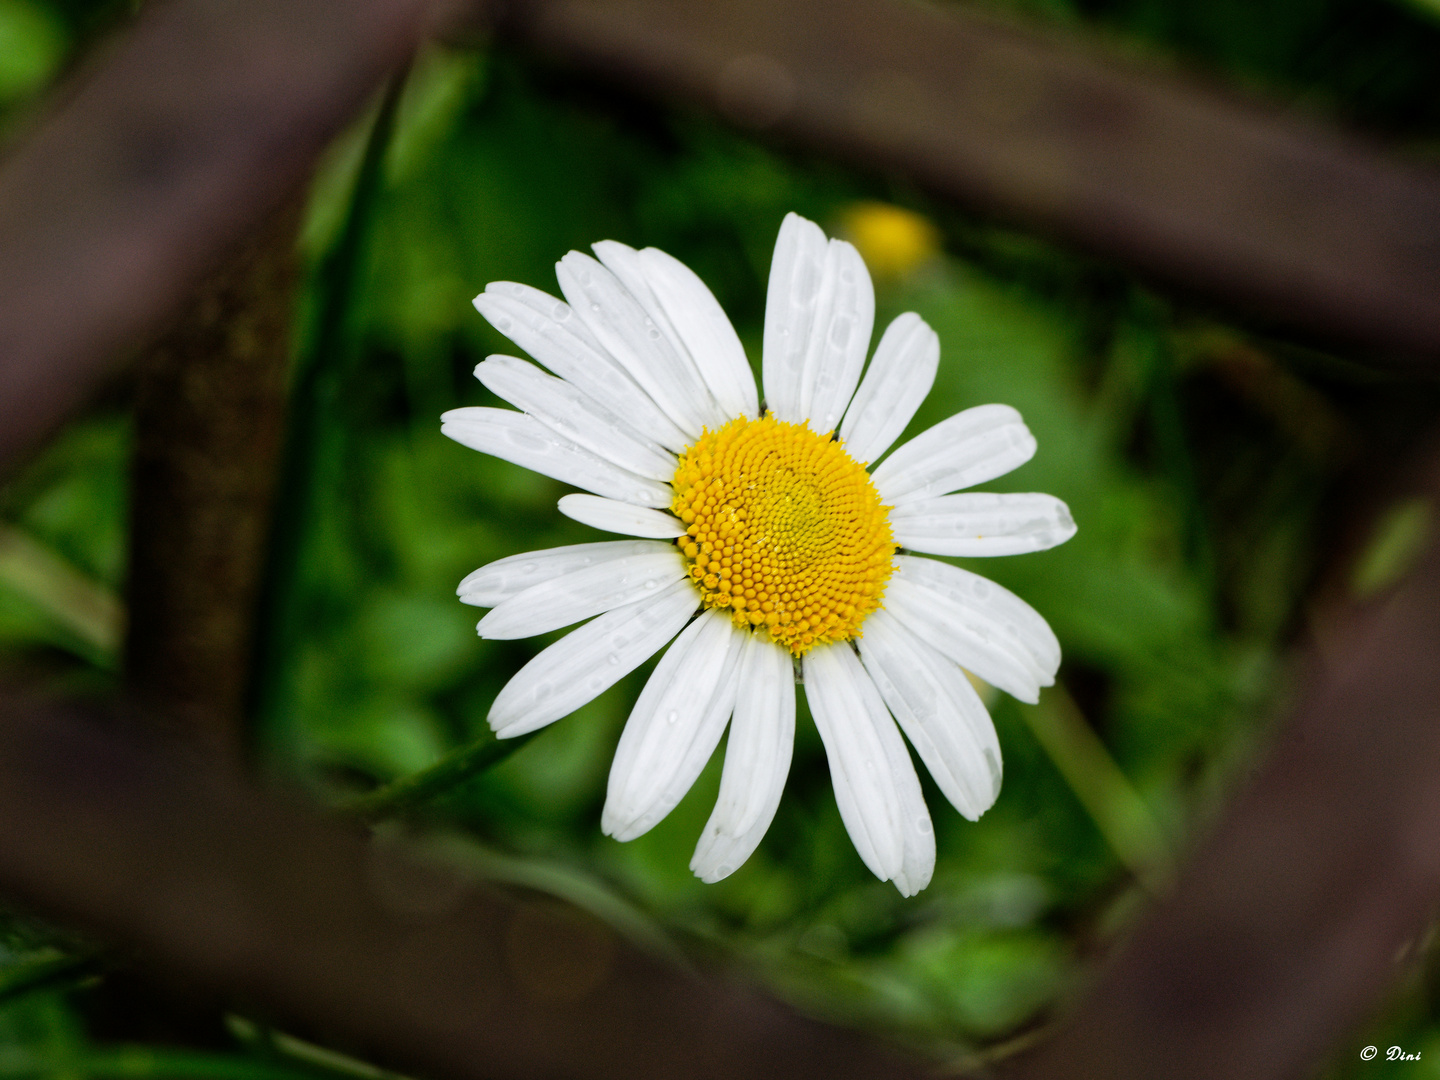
(726,870)
(560,312)
(923,824)
(672,718)
(503,323)
(651,583)
(614,659)
(594,307)
(528,568)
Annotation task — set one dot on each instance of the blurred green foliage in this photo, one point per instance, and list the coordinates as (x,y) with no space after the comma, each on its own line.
(1203,464)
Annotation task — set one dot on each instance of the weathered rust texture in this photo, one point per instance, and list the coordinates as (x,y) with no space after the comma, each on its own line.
(359,942)
(178,141)
(1271,214)
(209,418)
(1305,903)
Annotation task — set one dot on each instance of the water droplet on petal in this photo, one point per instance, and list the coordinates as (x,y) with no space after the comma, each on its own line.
(560,312)
(503,323)
(673,717)
(614,659)
(594,307)
(528,568)
(651,583)
(725,870)
(923,824)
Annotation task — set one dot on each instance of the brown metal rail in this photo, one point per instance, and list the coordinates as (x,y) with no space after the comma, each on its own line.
(1267,214)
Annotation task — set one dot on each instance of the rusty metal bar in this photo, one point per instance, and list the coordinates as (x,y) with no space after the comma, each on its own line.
(1268,214)
(357,942)
(174,143)
(209,416)
(1310,897)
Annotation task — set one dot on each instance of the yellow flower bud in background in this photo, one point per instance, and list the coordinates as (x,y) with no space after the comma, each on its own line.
(892,241)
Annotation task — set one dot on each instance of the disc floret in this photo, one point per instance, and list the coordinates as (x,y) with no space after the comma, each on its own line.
(785,530)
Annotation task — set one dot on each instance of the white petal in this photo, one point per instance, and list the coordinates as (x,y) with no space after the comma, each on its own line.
(547,329)
(983,523)
(674,727)
(586,662)
(938,710)
(976,623)
(757,760)
(624,262)
(705,330)
(948,627)
(901,373)
(1008,616)
(632,337)
(575,415)
(582,593)
(970,448)
(498,581)
(875,783)
(525,441)
(839,337)
(650,280)
(619,517)
(795,275)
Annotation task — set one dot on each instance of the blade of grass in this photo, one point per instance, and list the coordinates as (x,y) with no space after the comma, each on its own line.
(558,879)
(1167,424)
(47,971)
(73,599)
(1102,788)
(410,792)
(321,370)
(268,1041)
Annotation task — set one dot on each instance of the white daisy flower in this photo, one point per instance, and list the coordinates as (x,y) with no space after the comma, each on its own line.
(768,526)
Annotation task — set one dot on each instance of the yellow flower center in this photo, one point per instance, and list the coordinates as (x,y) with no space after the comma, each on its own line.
(785,530)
